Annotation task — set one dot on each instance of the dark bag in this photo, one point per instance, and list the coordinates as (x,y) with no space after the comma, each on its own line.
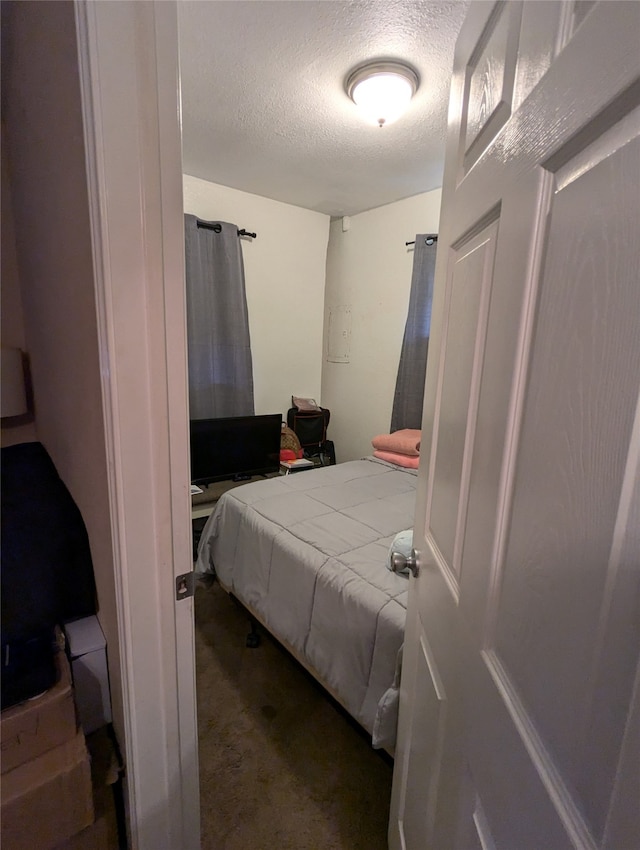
(309,426)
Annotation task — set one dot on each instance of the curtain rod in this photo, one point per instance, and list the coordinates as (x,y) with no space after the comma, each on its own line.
(429,239)
(206,225)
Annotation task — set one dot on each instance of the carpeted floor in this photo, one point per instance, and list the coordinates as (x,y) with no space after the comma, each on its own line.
(281,765)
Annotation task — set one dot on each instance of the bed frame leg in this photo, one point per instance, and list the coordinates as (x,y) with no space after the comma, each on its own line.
(253,638)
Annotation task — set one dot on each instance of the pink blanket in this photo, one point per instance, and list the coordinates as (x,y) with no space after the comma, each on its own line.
(405,442)
(399,459)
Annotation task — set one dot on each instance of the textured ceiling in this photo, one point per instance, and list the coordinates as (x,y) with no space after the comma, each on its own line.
(265,111)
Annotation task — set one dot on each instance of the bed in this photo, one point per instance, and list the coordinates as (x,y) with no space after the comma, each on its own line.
(307,555)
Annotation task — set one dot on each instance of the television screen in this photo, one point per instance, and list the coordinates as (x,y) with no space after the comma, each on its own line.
(234,447)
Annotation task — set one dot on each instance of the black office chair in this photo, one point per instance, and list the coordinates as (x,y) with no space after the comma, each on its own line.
(311,429)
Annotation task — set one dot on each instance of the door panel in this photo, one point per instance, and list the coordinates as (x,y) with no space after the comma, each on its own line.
(527,523)
(540,38)
(509,329)
(525,800)
(581,9)
(468,300)
(578,417)
(490,78)
(428,733)
(472,831)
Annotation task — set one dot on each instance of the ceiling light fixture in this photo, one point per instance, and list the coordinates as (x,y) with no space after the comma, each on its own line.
(382,89)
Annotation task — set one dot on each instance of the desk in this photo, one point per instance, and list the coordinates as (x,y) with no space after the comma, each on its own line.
(198,511)
(203,504)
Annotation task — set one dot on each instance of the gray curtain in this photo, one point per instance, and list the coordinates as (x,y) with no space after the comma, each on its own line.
(219,347)
(407,400)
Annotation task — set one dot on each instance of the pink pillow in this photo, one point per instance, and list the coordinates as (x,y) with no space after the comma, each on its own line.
(403,442)
(398,459)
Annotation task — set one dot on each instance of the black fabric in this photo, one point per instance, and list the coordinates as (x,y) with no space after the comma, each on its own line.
(28,667)
(328,453)
(46,570)
(310,428)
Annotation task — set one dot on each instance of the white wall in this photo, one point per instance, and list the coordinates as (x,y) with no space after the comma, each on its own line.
(54,266)
(369,271)
(285,280)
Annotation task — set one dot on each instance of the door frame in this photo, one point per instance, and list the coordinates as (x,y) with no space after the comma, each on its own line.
(130,92)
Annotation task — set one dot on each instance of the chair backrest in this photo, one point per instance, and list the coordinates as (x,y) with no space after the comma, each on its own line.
(310,426)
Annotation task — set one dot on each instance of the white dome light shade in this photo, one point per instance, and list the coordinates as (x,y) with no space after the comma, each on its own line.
(382,90)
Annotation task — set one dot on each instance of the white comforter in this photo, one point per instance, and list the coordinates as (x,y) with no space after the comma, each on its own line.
(309,552)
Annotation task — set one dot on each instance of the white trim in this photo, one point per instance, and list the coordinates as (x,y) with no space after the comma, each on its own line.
(130,97)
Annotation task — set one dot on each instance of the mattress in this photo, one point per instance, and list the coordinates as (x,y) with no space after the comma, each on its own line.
(308,552)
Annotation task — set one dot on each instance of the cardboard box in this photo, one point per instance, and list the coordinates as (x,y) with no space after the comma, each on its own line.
(103,833)
(40,724)
(105,772)
(49,799)
(87,649)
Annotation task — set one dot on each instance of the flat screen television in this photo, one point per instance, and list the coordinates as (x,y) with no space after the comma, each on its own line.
(234,447)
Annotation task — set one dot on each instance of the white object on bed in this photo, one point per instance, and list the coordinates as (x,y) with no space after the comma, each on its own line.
(401,544)
(308,553)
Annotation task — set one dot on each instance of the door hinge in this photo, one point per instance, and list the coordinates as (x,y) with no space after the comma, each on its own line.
(185,585)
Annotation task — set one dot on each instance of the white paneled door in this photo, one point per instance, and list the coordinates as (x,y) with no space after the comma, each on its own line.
(520,717)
